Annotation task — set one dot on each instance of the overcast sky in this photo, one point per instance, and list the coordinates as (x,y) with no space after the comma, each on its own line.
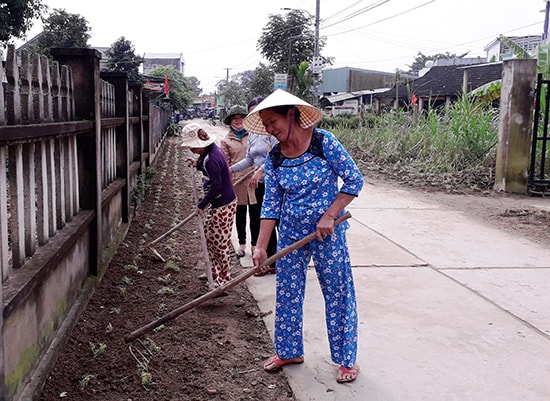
(217,37)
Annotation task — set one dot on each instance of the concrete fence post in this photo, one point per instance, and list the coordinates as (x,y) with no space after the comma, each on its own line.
(84,64)
(515,126)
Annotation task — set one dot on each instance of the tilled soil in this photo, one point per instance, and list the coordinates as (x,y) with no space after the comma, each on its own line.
(212,352)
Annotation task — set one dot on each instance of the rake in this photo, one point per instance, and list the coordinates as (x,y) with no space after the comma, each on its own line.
(221,289)
(151,245)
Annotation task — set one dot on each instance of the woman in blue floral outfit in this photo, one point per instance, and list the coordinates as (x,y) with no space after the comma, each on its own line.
(302,191)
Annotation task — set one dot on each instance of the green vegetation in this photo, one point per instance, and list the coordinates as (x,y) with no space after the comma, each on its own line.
(98,349)
(447,144)
(63,29)
(143,184)
(83,383)
(16,18)
(121,57)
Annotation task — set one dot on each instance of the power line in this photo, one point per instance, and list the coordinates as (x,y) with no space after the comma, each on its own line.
(383,19)
(358,12)
(341,11)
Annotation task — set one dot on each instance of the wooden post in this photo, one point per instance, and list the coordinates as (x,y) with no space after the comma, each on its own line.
(515,126)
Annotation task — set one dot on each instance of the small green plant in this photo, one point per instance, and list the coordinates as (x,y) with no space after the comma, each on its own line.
(146,378)
(131,267)
(115,311)
(159,328)
(83,383)
(151,346)
(165,291)
(109,328)
(174,129)
(165,279)
(144,182)
(170,265)
(98,349)
(122,290)
(127,280)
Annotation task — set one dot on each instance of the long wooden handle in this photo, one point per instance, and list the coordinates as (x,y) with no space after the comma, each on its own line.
(186,220)
(208,262)
(176,227)
(218,291)
(244,177)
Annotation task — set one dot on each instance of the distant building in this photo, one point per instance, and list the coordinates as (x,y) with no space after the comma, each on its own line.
(152,61)
(441,85)
(103,60)
(457,61)
(497,50)
(349,103)
(347,79)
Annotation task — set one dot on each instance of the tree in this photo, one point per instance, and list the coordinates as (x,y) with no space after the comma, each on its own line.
(16,18)
(303,82)
(234,94)
(62,29)
(421,59)
(180,92)
(121,57)
(261,83)
(195,83)
(288,40)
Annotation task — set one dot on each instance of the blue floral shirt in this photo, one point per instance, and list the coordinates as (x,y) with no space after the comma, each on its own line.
(299,190)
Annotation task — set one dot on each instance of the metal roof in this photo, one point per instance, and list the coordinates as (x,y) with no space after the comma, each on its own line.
(340,97)
(162,55)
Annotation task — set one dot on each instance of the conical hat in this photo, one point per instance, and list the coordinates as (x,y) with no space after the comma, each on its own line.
(191,138)
(309,115)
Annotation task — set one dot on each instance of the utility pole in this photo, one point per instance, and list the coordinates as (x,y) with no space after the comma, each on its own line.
(316,64)
(225,109)
(227,75)
(547,12)
(317,67)
(317,20)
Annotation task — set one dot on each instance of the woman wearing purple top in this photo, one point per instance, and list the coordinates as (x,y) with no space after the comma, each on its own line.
(219,194)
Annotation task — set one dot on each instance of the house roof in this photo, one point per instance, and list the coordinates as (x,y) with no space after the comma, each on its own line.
(162,55)
(448,80)
(326,101)
(527,43)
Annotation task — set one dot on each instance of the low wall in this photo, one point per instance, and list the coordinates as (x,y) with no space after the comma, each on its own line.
(73,143)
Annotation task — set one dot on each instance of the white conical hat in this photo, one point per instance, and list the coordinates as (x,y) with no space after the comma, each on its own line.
(192,138)
(309,115)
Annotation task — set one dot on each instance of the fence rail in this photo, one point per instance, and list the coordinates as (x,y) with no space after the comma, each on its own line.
(73,142)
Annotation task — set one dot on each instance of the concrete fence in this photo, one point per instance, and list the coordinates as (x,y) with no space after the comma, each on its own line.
(73,143)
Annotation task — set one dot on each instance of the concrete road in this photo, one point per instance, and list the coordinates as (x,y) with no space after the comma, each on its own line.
(449,308)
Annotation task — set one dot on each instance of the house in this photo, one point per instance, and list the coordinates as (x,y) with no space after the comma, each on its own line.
(348,79)
(498,50)
(349,103)
(152,61)
(28,45)
(103,61)
(441,85)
